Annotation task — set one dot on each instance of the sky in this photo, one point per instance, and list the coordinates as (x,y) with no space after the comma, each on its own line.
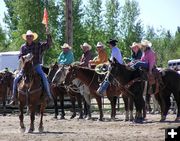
(155,13)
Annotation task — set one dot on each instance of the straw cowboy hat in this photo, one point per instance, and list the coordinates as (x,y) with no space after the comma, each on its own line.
(65,45)
(29,32)
(146,43)
(99,44)
(86,45)
(134,44)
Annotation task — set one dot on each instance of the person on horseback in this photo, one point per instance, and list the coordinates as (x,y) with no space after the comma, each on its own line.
(148,59)
(36,49)
(86,56)
(115,53)
(66,57)
(102,55)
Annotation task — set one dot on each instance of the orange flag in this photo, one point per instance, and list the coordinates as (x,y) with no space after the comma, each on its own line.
(45,17)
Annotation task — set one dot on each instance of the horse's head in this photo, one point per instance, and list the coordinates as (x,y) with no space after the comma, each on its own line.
(7,78)
(60,75)
(71,75)
(27,66)
(114,67)
(52,70)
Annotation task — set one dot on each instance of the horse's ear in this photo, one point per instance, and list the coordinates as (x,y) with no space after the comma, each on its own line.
(110,61)
(114,60)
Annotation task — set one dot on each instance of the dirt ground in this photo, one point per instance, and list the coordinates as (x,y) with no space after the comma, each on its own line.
(86,130)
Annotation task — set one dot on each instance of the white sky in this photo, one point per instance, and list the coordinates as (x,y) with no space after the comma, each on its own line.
(156,13)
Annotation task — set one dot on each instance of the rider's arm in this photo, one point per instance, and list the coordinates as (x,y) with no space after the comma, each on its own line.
(45,45)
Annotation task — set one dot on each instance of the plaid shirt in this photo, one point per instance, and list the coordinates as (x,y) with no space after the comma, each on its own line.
(36,49)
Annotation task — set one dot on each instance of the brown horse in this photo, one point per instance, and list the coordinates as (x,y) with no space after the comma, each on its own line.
(30,93)
(6,81)
(59,91)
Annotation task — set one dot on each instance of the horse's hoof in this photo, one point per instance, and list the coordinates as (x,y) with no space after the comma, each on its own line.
(88,118)
(80,117)
(22,130)
(41,129)
(100,119)
(30,130)
(131,120)
(55,117)
(73,116)
(139,120)
(163,119)
(126,120)
(62,117)
(113,119)
(4,114)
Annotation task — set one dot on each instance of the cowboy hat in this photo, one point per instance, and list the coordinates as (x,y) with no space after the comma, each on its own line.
(134,44)
(99,44)
(86,45)
(29,32)
(146,43)
(65,45)
(112,41)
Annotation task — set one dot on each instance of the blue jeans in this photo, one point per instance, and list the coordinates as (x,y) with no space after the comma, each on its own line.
(40,72)
(140,64)
(103,87)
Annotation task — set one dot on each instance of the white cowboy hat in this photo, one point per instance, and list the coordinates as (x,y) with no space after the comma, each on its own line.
(86,45)
(29,32)
(146,43)
(99,44)
(134,44)
(65,45)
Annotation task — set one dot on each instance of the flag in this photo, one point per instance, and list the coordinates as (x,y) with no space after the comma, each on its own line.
(45,17)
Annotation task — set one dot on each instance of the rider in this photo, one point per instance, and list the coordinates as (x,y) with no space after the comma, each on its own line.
(148,59)
(66,57)
(36,49)
(102,55)
(86,56)
(115,53)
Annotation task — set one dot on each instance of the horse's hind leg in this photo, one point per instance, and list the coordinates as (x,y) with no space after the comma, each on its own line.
(99,102)
(73,101)
(21,118)
(130,103)
(177,98)
(56,108)
(4,107)
(61,98)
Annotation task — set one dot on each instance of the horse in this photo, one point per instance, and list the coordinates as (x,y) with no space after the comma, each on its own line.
(130,83)
(30,93)
(55,76)
(6,81)
(170,85)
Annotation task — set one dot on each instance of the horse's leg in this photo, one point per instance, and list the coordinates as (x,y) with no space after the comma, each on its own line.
(125,99)
(32,117)
(87,103)
(4,107)
(42,108)
(21,117)
(73,101)
(177,98)
(61,98)
(165,99)
(56,107)
(85,108)
(130,101)
(112,108)
(99,102)
(79,100)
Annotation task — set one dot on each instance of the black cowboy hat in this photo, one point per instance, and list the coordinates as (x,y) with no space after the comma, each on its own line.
(112,41)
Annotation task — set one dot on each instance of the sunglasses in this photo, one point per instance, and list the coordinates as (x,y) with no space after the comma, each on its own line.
(29,36)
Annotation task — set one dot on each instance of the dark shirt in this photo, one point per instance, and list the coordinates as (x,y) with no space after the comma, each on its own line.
(36,49)
(137,56)
(85,58)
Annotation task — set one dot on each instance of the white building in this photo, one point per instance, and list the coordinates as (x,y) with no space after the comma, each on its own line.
(9,60)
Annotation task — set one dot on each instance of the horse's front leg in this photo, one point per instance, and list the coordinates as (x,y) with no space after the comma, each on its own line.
(21,118)
(99,102)
(32,118)
(4,107)
(79,100)
(41,128)
(73,101)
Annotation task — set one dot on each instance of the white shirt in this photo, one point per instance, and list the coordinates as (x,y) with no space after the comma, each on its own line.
(116,53)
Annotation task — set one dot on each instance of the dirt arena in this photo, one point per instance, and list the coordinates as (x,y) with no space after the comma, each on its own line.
(86,130)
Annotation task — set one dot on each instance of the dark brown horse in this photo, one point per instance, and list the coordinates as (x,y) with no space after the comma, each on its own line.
(130,83)
(6,81)
(30,93)
(59,91)
(171,85)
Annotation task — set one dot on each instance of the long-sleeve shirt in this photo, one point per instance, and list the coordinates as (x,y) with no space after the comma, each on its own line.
(149,57)
(66,58)
(116,53)
(36,49)
(101,58)
(137,56)
(84,61)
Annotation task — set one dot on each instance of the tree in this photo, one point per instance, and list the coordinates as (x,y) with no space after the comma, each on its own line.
(131,29)
(2,40)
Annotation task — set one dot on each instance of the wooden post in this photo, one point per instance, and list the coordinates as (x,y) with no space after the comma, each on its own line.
(69,22)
